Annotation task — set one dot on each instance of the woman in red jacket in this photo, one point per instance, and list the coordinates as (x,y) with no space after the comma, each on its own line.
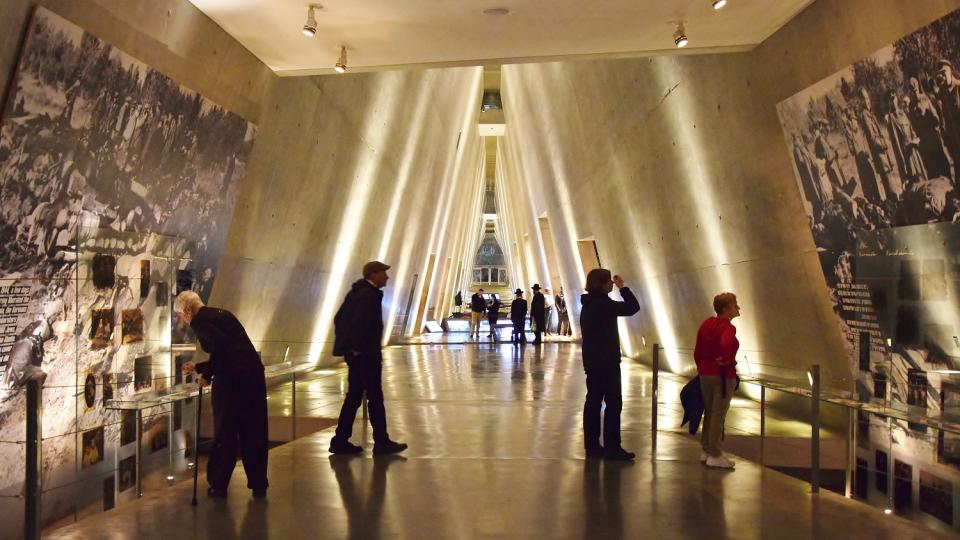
(715,355)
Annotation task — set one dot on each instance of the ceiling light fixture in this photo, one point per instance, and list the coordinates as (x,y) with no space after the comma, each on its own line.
(310,27)
(719,4)
(341,65)
(680,37)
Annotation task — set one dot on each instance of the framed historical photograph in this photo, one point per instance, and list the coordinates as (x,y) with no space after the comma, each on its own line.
(902,485)
(92,447)
(179,376)
(184,280)
(880,474)
(917,388)
(90,390)
(143,373)
(104,268)
(144,278)
(128,427)
(156,432)
(132,324)
(948,443)
(863,348)
(936,497)
(163,294)
(177,415)
(107,379)
(861,477)
(127,471)
(101,329)
(109,492)
(863,430)
(880,384)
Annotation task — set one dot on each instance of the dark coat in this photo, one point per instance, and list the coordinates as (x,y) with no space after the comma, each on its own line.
(493,312)
(518,310)
(232,354)
(691,398)
(598,325)
(358,325)
(538,309)
(477,303)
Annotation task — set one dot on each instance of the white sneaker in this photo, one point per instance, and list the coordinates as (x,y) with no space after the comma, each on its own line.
(720,462)
(703,456)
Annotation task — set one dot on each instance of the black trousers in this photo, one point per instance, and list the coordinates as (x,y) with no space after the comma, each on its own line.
(519,334)
(538,333)
(493,327)
(239,429)
(603,386)
(364,375)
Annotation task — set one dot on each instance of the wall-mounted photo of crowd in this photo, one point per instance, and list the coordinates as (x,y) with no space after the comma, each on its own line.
(115,182)
(875,149)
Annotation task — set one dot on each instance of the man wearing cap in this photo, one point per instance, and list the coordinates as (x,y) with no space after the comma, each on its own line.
(538,314)
(358,335)
(518,316)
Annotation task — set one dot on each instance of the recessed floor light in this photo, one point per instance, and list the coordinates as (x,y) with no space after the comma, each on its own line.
(496,12)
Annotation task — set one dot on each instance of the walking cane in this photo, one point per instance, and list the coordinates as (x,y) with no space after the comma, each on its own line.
(196,446)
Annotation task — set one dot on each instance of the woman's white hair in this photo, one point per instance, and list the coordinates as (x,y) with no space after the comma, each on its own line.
(187,301)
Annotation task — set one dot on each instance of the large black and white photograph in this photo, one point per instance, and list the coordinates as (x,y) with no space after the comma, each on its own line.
(875,149)
(103,160)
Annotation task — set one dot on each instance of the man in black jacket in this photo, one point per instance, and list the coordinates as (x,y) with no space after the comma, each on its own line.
(601,362)
(518,316)
(478,306)
(359,332)
(538,314)
(239,394)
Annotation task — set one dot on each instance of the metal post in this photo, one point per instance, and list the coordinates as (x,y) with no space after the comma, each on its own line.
(139,452)
(890,480)
(815,429)
(33,459)
(763,424)
(653,413)
(851,451)
(294,437)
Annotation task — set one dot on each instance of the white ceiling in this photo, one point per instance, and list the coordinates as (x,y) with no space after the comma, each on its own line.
(391,34)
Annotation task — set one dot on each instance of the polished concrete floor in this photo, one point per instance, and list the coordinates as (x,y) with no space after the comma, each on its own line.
(496,452)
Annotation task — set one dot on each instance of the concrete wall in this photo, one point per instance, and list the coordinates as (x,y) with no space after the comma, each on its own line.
(170,35)
(345,169)
(678,168)
(349,169)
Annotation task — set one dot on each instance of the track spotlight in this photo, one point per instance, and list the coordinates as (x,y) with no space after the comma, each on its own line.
(341,65)
(719,4)
(680,37)
(310,27)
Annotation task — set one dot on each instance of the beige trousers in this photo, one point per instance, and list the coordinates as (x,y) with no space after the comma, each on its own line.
(715,407)
(475,318)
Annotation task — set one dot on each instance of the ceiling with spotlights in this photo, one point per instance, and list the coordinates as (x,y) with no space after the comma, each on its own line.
(395,34)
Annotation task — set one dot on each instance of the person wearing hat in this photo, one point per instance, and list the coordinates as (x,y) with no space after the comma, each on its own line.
(358,336)
(538,314)
(518,316)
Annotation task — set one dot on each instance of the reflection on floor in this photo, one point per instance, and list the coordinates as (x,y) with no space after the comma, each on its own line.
(503,337)
(496,452)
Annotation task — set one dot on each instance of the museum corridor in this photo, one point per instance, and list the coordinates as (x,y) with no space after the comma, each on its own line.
(495,452)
